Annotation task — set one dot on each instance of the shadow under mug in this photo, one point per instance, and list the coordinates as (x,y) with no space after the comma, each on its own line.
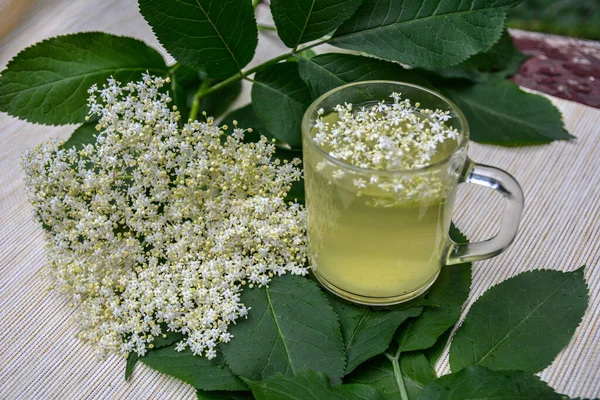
(375,246)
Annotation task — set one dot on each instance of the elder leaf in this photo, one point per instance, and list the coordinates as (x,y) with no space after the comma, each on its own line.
(309,385)
(477,382)
(279,98)
(500,61)
(47,83)
(198,371)
(521,323)
(378,373)
(217,36)
(300,21)
(367,332)
(500,113)
(327,71)
(427,33)
(291,326)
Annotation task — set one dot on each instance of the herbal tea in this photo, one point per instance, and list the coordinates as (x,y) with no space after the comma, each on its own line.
(374,234)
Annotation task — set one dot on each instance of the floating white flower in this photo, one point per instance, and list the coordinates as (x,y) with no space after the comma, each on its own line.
(155,228)
(382,136)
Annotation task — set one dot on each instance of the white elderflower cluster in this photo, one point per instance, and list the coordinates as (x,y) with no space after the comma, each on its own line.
(383,136)
(154,228)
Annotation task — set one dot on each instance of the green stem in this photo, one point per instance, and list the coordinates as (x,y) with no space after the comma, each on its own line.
(398,374)
(252,70)
(255,3)
(202,91)
(262,27)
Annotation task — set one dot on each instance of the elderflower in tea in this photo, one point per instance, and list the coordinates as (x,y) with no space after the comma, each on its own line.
(379,208)
(156,228)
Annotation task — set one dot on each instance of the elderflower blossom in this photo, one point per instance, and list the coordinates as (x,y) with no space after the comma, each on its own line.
(383,137)
(154,228)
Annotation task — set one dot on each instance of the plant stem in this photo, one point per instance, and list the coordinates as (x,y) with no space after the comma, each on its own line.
(255,3)
(202,91)
(252,70)
(262,27)
(398,374)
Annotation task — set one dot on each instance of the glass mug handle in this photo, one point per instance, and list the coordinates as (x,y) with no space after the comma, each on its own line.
(508,187)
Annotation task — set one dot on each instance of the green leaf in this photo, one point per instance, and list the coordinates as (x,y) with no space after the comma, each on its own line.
(366,331)
(130,364)
(300,21)
(379,374)
(443,307)
(500,61)
(327,71)
(198,371)
(309,385)
(522,323)
(223,395)
(481,383)
(291,326)
(279,98)
(47,83)
(500,113)
(84,134)
(217,36)
(427,33)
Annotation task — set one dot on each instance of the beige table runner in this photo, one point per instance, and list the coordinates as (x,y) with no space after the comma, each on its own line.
(40,359)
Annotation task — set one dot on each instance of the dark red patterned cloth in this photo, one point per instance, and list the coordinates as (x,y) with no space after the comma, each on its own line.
(562,67)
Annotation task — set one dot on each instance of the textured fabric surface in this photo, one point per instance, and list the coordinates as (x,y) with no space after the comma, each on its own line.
(40,358)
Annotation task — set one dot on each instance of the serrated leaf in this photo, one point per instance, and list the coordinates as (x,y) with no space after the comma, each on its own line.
(223,395)
(427,33)
(300,21)
(327,71)
(279,98)
(84,134)
(47,83)
(367,332)
(500,113)
(200,372)
(218,36)
(521,323)
(500,61)
(379,374)
(443,307)
(291,326)
(481,383)
(309,385)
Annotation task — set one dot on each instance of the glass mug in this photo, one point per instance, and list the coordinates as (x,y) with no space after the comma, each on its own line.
(381,247)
